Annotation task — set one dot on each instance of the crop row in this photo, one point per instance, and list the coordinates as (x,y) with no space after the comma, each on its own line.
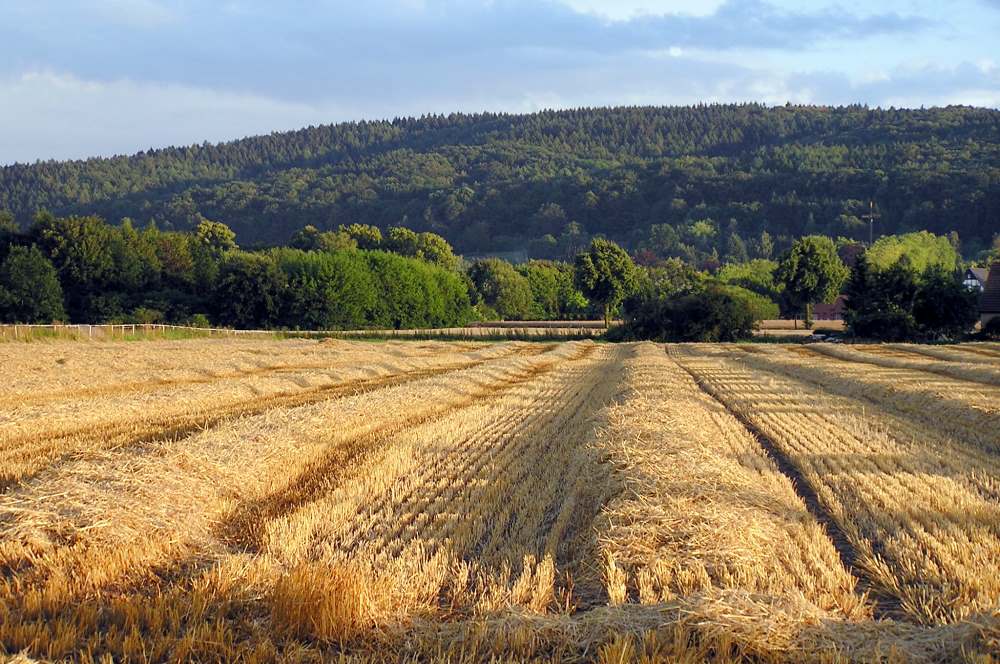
(926,533)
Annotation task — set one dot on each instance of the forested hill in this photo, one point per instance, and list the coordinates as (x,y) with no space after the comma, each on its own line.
(497,182)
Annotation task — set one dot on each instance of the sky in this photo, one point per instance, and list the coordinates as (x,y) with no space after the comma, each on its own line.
(83,78)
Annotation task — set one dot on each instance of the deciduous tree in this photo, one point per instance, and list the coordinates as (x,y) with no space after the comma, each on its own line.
(811,272)
(29,288)
(605,274)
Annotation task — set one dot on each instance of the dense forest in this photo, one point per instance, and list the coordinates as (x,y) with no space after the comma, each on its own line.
(717,183)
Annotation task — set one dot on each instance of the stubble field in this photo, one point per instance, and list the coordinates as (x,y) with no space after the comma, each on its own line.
(261,500)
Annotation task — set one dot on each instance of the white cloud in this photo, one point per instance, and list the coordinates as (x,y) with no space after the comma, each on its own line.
(623,10)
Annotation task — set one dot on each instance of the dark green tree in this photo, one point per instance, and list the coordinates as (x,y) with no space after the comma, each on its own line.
(709,313)
(137,266)
(554,294)
(880,302)
(433,248)
(898,304)
(7,223)
(764,246)
(605,274)
(403,241)
(81,249)
(426,246)
(249,291)
(8,231)
(736,249)
(311,238)
(502,289)
(543,279)
(943,306)
(29,288)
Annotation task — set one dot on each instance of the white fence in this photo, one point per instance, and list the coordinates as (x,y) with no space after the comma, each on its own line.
(123,331)
(84,331)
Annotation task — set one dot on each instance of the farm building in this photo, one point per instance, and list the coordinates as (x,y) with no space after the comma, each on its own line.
(989,301)
(831,311)
(975,278)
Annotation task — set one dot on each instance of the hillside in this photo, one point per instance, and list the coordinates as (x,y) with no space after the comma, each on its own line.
(496,182)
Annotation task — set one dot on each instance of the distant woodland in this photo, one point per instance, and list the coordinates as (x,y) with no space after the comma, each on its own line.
(708,184)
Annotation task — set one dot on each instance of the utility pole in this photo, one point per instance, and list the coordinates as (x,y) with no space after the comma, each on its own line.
(871,217)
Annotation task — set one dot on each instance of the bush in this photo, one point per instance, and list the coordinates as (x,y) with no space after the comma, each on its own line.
(199,320)
(502,288)
(762,307)
(711,313)
(146,315)
(898,304)
(992,329)
(890,324)
(249,291)
(412,293)
(325,290)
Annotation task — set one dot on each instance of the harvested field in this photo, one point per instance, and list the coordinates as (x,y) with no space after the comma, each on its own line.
(262,500)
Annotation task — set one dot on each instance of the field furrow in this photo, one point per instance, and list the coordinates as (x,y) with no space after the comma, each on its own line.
(926,540)
(20,406)
(143,505)
(977,353)
(60,371)
(484,487)
(903,358)
(965,413)
(705,507)
(31,442)
(262,501)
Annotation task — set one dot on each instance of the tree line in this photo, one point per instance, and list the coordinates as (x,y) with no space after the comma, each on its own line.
(902,288)
(82,269)
(709,184)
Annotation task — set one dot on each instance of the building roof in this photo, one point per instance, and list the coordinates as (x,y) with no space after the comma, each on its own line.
(831,311)
(989,301)
(981,273)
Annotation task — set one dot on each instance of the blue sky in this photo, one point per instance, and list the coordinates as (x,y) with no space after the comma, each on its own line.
(98,77)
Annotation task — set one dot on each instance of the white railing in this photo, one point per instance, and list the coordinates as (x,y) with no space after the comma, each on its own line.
(125,330)
(111,331)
